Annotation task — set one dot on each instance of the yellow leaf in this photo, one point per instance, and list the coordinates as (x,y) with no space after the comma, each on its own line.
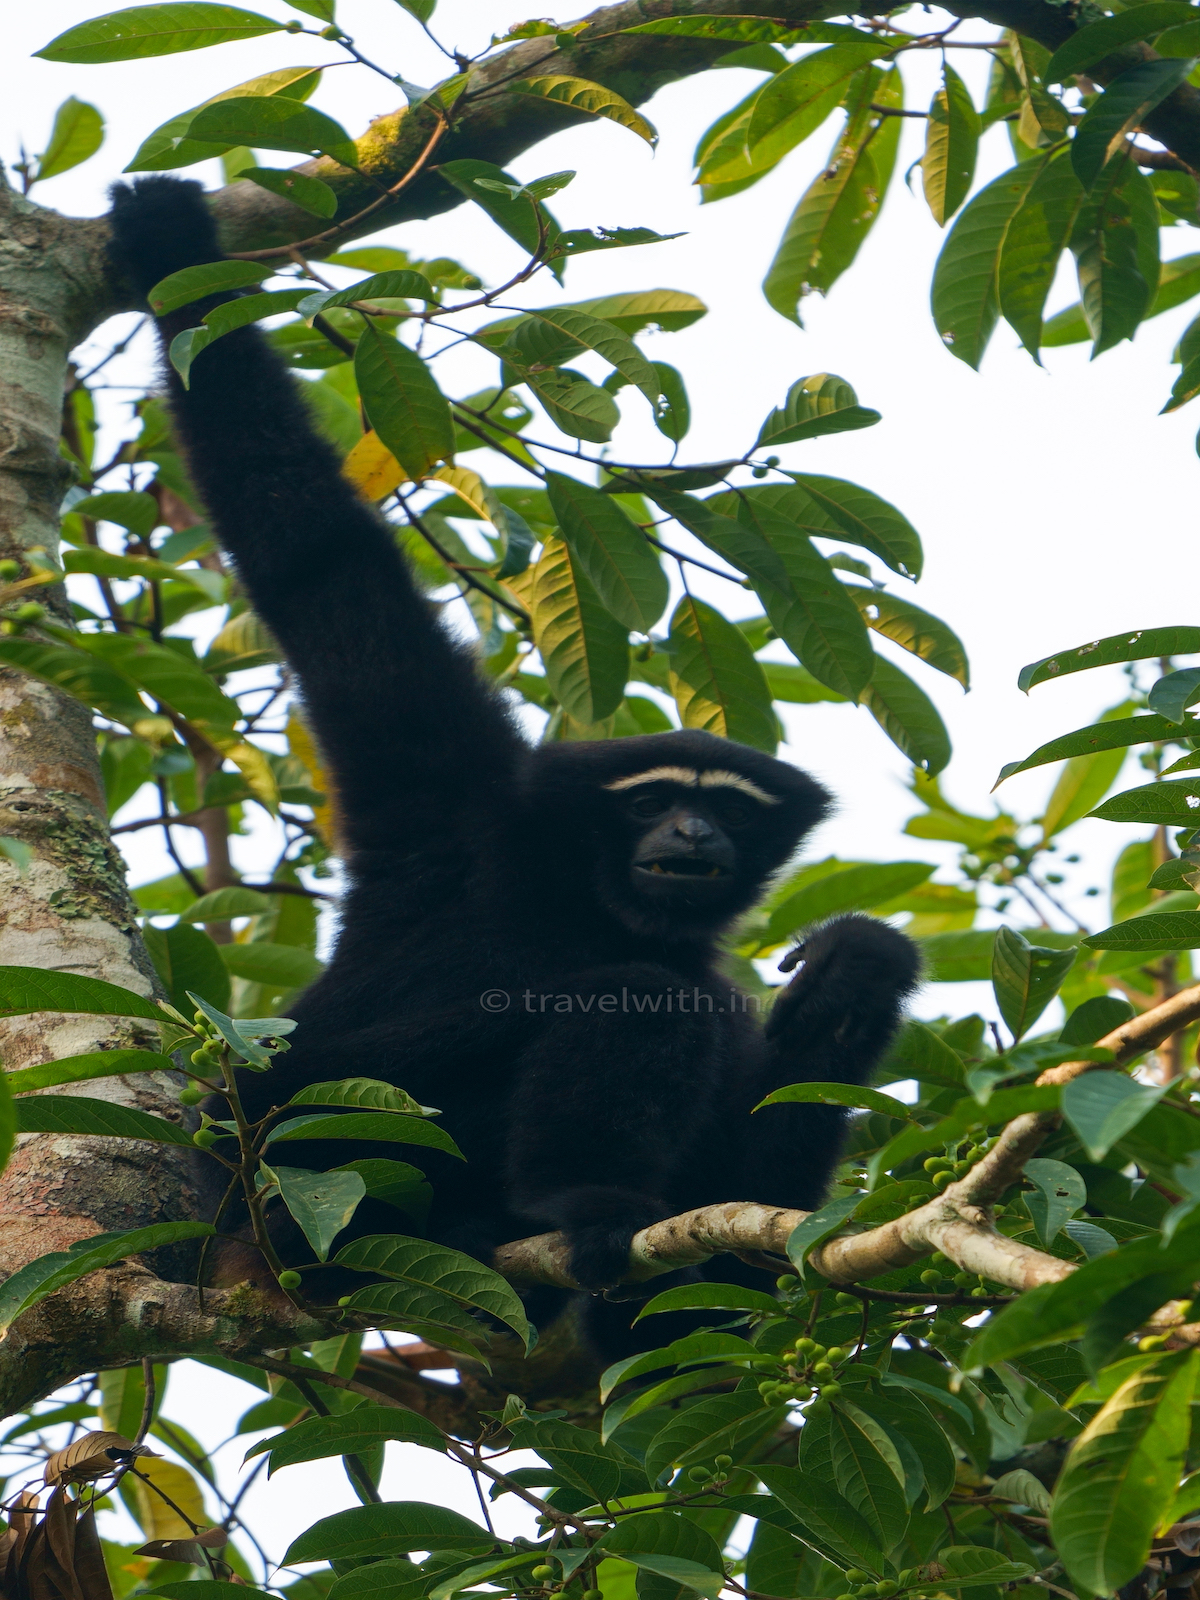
(467,485)
(300,743)
(373,469)
(253,765)
(594,98)
(155,1517)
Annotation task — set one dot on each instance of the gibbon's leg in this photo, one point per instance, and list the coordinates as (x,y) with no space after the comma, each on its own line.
(832,1024)
(605,1107)
(415,742)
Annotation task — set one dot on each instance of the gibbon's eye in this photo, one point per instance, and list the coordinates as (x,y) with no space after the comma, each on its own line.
(734,813)
(649,805)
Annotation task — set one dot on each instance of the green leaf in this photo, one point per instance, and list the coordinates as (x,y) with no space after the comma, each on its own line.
(188,962)
(157,30)
(42,1277)
(908,716)
(914,630)
(1061,1192)
(1025,978)
(1124,105)
(967,1115)
(1099,39)
(837,210)
(1103,1106)
(970,1564)
(951,145)
(272,122)
(27,989)
(710,1296)
(611,550)
(547,337)
(811,611)
(1172,694)
(128,508)
(822,1512)
(671,1546)
(403,403)
(223,904)
(77,134)
(1159,803)
(169,145)
(922,1054)
(402,285)
(61,1113)
(716,682)
(1166,930)
(1115,244)
(593,98)
(395,1182)
(78,674)
(434,1266)
(368,1093)
(310,194)
(668,310)
(1095,1018)
(81,1069)
(786,110)
(242,1035)
(817,1227)
(1121,1475)
(868,1472)
(392,1529)
(1100,736)
(604,1471)
(1039,232)
(322,1203)
(386,1127)
(517,218)
(584,650)
(836,1094)
(740,30)
(852,888)
(196,283)
(1142,645)
(707,1429)
(815,406)
(283,966)
(831,508)
(965,296)
(575,405)
(367,1425)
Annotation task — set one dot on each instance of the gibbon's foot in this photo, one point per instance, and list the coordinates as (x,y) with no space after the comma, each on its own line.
(599,1223)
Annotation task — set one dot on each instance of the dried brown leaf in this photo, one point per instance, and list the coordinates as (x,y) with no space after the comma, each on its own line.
(92,1456)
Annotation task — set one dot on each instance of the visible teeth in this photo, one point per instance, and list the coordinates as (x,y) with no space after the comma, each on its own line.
(715,873)
(656,867)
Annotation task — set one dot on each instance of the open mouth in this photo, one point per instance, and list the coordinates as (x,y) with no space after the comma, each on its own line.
(683,867)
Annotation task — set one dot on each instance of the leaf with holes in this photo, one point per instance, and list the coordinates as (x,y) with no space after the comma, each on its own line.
(1142,645)
(914,630)
(1060,1193)
(1175,803)
(716,682)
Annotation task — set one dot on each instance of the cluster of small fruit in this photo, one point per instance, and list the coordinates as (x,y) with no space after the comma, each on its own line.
(27,612)
(714,1475)
(809,1365)
(944,1170)
(863,1586)
(941,1277)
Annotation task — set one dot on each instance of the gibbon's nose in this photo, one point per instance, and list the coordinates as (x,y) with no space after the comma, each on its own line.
(692,828)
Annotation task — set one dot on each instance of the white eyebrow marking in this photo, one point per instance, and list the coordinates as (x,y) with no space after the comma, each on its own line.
(734,780)
(689,778)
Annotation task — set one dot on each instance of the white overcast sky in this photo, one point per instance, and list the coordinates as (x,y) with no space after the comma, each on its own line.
(1055,506)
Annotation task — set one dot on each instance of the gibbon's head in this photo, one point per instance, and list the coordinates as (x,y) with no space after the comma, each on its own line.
(682,829)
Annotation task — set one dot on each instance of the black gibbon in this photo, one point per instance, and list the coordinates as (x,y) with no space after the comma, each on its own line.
(529,935)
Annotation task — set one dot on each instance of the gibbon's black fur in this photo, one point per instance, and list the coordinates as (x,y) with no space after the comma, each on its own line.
(550,876)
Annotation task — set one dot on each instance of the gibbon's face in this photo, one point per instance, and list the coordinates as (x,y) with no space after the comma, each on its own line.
(697,838)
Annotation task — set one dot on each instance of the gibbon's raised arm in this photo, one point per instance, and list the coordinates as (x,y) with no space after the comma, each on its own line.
(409,729)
